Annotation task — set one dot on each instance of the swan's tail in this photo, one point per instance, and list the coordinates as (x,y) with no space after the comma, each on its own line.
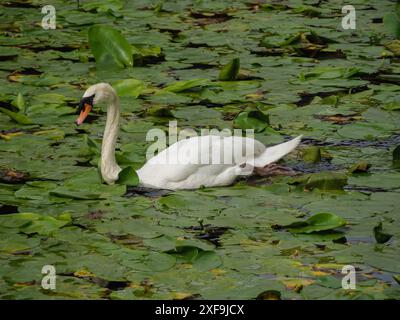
(274,153)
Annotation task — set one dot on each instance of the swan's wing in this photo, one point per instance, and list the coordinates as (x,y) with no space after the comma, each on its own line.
(205,157)
(211,149)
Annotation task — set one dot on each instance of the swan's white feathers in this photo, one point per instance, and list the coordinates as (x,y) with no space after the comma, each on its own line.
(190,163)
(171,174)
(274,153)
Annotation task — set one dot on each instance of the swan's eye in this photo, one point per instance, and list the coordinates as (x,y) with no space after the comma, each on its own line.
(85,106)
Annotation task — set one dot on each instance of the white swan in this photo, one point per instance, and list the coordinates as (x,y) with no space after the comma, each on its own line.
(178,166)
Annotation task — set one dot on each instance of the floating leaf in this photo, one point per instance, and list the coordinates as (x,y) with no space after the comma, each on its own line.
(139,52)
(391,22)
(91,144)
(230,70)
(396,157)
(394,47)
(157,261)
(392,106)
(128,176)
(73,193)
(362,166)
(307,11)
(19,102)
(159,111)
(312,154)
(109,47)
(207,260)
(103,6)
(17,117)
(180,86)
(13,243)
(329,73)
(30,223)
(321,180)
(129,87)
(380,235)
(255,119)
(316,223)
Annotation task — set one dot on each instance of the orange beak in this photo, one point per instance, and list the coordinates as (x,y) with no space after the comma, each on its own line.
(84,113)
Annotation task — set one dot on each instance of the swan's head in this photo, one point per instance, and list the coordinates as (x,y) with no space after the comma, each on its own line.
(100,92)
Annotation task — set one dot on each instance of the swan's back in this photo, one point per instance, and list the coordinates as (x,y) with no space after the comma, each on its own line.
(208,161)
(211,149)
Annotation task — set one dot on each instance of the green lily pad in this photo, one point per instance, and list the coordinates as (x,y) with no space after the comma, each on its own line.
(254,119)
(207,260)
(362,166)
(316,223)
(312,154)
(129,87)
(321,180)
(380,235)
(17,117)
(230,70)
(128,176)
(30,223)
(109,47)
(396,157)
(391,20)
(180,86)
(19,102)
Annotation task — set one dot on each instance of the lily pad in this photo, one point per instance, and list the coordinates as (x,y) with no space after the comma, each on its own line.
(129,87)
(128,176)
(396,157)
(316,223)
(109,47)
(186,85)
(255,119)
(230,70)
(380,235)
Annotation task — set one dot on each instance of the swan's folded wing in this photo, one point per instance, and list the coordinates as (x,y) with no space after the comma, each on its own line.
(205,157)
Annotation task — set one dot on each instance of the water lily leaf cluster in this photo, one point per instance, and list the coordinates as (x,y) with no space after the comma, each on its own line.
(283,69)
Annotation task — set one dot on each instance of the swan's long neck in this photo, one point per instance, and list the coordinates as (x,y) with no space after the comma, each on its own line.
(109,166)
